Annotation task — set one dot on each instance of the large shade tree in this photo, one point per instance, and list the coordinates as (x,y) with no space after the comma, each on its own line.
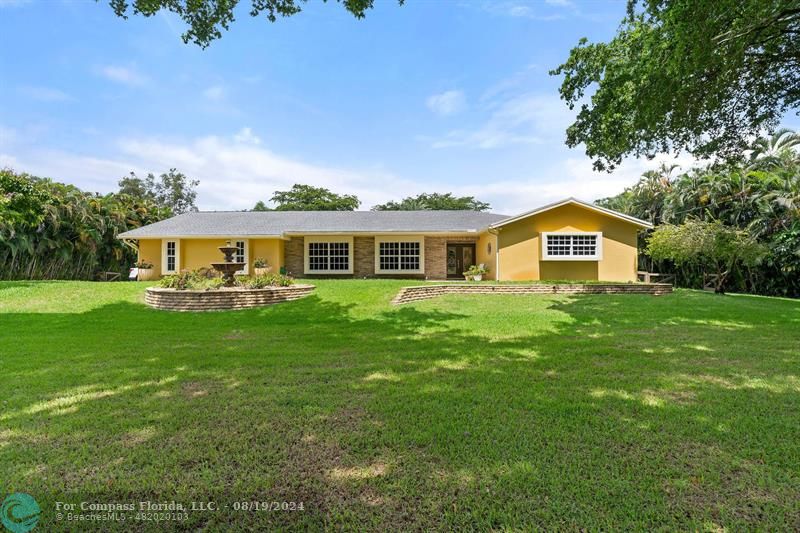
(309,198)
(206,19)
(712,246)
(434,201)
(172,190)
(703,75)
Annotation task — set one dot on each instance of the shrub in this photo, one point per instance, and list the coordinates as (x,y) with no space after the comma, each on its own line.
(260,262)
(144,264)
(267,280)
(191,280)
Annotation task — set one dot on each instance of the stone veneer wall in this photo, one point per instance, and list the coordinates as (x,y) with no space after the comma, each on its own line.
(363,257)
(215,300)
(293,256)
(425,292)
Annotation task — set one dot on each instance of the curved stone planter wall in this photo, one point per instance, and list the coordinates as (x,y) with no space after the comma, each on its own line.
(215,300)
(425,292)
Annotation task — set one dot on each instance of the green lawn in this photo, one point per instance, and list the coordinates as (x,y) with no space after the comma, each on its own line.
(468,412)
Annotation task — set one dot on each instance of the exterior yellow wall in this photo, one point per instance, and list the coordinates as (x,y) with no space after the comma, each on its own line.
(485,241)
(200,253)
(270,250)
(520,247)
(150,251)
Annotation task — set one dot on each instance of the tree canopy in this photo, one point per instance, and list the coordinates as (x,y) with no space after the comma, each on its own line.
(434,201)
(710,245)
(207,19)
(758,195)
(704,76)
(172,190)
(309,198)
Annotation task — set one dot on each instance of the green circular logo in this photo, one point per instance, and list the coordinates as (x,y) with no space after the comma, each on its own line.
(20,512)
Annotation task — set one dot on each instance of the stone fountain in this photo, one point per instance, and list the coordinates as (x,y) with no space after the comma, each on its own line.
(229,267)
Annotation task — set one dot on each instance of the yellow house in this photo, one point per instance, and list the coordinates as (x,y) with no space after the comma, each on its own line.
(570,239)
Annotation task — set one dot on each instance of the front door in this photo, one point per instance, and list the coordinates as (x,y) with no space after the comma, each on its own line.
(459,258)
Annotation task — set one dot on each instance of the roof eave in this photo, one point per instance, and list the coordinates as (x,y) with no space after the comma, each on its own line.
(610,212)
(127,235)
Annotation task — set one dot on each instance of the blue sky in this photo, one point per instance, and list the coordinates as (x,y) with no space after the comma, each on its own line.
(433,96)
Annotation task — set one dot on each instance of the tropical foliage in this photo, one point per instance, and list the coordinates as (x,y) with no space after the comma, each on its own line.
(758,195)
(50,230)
(711,246)
(434,201)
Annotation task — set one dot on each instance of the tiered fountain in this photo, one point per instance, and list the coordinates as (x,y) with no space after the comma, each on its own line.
(229,267)
(226,297)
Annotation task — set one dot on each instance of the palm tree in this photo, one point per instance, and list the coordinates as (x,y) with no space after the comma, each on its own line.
(776,150)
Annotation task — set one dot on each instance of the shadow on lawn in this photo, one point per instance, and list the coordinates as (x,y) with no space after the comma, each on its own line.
(413,418)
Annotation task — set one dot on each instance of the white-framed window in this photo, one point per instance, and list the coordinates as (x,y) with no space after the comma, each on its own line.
(401,255)
(329,255)
(170,256)
(572,246)
(240,256)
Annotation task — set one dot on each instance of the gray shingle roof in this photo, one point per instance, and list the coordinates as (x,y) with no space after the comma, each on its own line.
(243,223)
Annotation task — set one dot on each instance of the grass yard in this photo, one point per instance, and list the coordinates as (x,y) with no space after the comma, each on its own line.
(468,412)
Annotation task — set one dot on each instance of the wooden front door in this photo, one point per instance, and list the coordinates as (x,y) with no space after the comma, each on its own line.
(459,258)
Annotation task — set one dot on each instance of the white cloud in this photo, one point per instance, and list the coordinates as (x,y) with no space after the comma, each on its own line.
(237,171)
(525,119)
(246,136)
(214,93)
(9,161)
(559,3)
(447,103)
(235,175)
(90,173)
(572,176)
(520,10)
(44,94)
(124,75)
(234,172)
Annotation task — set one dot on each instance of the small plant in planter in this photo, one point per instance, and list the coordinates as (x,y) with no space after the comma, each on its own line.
(475,272)
(145,270)
(261,267)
